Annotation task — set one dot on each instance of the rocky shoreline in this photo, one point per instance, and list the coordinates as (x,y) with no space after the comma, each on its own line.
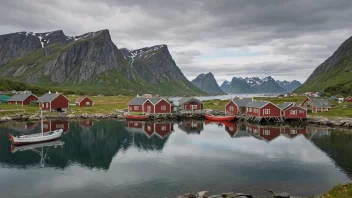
(318,120)
(207,194)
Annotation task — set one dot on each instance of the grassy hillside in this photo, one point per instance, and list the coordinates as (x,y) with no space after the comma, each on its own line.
(333,76)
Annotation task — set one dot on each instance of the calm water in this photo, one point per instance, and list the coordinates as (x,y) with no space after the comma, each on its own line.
(139,159)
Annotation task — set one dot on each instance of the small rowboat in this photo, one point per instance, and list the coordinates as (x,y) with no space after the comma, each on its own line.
(220,118)
(136,117)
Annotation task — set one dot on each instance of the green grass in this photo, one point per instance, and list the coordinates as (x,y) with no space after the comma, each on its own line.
(339,191)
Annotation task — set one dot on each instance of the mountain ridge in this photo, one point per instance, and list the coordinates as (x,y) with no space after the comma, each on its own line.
(90,62)
(207,83)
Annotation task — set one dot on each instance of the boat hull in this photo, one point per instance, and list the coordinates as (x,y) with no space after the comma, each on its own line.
(220,118)
(36,138)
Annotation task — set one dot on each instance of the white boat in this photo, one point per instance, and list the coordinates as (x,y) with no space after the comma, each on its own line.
(36,138)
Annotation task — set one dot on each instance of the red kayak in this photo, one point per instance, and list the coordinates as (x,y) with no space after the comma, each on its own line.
(136,117)
(220,118)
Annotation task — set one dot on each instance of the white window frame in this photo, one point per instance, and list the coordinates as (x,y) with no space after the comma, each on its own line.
(231,108)
(230,128)
(149,108)
(250,109)
(293,131)
(266,132)
(163,107)
(194,106)
(163,128)
(136,108)
(87,103)
(266,111)
(293,112)
(47,105)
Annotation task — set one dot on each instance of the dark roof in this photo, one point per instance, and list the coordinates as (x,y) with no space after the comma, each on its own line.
(285,105)
(186,99)
(257,104)
(242,102)
(48,97)
(20,97)
(320,103)
(140,101)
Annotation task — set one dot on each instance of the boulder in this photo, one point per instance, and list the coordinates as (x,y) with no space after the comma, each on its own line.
(204,194)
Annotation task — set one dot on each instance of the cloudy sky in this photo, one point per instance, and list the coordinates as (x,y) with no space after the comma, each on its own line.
(286,39)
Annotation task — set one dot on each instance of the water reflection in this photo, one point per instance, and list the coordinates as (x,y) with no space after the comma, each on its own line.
(158,159)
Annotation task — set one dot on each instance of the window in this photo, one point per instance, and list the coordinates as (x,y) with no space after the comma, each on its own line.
(136,107)
(230,128)
(43,105)
(231,108)
(266,111)
(256,110)
(131,108)
(194,106)
(293,112)
(163,128)
(255,130)
(87,103)
(135,124)
(194,125)
(293,131)
(301,111)
(149,128)
(47,105)
(60,126)
(250,109)
(163,107)
(266,132)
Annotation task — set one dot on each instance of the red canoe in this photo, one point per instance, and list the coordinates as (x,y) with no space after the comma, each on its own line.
(220,118)
(136,117)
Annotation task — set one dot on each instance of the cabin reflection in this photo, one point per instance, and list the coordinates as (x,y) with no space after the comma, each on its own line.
(86,124)
(160,129)
(52,125)
(191,126)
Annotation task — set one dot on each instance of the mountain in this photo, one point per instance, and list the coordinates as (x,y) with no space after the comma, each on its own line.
(225,86)
(90,62)
(207,83)
(252,85)
(333,76)
(289,86)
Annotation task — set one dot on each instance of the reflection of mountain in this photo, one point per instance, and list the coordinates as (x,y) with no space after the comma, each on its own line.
(191,126)
(338,146)
(93,148)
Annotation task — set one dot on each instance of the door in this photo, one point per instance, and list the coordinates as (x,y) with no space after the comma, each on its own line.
(149,109)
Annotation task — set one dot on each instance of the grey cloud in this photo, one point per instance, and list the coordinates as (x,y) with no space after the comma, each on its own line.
(290,28)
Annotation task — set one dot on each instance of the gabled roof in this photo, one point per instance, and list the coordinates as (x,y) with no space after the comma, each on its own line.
(339,96)
(320,103)
(20,97)
(242,102)
(257,104)
(48,97)
(78,100)
(285,105)
(141,101)
(186,99)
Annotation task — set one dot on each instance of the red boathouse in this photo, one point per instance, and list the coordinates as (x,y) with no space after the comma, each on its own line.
(291,111)
(258,110)
(316,104)
(149,106)
(190,104)
(349,99)
(53,101)
(52,125)
(84,101)
(236,106)
(22,99)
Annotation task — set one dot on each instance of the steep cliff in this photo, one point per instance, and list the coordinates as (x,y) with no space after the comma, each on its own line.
(207,83)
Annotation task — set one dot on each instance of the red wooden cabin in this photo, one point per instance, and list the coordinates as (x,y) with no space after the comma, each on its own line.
(53,101)
(22,99)
(150,106)
(190,104)
(86,123)
(293,132)
(267,133)
(236,106)
(150,128)
(163,129)
(191,126)
(84,101)
(262,109)
(349,99)
(316,104)
(291,111)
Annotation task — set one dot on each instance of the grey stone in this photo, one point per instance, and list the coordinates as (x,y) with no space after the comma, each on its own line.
(203,194)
